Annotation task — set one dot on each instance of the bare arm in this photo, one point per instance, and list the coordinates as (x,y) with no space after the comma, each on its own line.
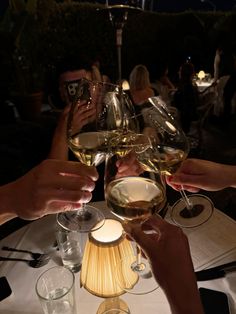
(51,187)
(59,146)
(196,174)
(169,256)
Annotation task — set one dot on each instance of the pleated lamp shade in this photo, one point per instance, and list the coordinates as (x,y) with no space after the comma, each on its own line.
(104,250)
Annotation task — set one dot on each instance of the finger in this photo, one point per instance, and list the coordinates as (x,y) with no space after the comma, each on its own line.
(192,189)
(72,168)
(158,224)
(75,197)
(187,179)
(75,183)
(136,233)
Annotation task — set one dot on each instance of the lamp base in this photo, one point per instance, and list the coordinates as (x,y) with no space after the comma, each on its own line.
(113,306)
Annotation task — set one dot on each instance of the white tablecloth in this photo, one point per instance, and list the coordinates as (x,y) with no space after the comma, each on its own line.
(39,236)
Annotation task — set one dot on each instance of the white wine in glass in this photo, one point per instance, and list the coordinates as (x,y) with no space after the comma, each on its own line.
(169,149)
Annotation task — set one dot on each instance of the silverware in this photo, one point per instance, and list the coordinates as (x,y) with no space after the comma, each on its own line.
(215,272)
(35,263)
(34,255)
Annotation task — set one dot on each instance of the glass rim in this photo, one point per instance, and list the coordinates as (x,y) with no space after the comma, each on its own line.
(49,269)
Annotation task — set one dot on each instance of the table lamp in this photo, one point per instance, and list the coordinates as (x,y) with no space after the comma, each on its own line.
(201,75)
(104,249)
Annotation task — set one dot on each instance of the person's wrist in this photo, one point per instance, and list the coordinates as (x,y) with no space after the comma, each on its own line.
(8,207)
(230,174)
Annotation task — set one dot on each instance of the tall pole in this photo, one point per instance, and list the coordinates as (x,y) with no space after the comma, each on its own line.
(119,32)
(118,16)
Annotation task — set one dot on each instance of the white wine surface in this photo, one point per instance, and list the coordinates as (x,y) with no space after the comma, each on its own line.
(135,198)
(162,159)
(90,147)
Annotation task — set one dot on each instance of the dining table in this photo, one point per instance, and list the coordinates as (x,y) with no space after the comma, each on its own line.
(211,244)
(204,85)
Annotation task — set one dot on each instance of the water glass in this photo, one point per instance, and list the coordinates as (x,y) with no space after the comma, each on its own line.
(69,243)
(56,291)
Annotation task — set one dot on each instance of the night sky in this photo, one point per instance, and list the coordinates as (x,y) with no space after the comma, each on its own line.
(182,5)
(164,5)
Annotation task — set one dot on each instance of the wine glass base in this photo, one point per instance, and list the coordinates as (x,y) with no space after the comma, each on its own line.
(86,220)
(145,282)
(202,210)
(113,306)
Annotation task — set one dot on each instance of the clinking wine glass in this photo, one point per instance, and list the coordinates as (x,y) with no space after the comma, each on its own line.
(96,115)
(134,195)
(169,149)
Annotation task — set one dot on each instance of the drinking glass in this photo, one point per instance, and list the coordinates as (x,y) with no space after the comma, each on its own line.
(70,247)
(134,195)
(106,111)
(169,149)
(56,291)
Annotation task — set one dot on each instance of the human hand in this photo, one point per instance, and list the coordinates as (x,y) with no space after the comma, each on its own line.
(169,256)
(84,114)
(51,187)
(166,247)
(196,174)
(128,166)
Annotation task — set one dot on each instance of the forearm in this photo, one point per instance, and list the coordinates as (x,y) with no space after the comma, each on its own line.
(59,148)
(7,211)
(229,172)
(184,299)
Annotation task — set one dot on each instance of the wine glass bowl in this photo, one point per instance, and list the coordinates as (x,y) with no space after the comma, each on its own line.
(169,149)
(135,198)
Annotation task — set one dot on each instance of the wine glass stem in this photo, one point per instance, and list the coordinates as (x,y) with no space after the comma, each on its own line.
(188,204)
(138,266)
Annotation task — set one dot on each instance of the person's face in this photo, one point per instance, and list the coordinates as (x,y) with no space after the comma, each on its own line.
(73,77)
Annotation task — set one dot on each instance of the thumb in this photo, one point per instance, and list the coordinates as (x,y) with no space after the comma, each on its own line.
(136,233)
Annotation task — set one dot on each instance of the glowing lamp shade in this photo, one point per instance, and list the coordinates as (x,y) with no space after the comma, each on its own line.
(125,85)
(104,249)
(201,75)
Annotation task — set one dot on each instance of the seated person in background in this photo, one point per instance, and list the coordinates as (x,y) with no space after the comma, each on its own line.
(186,98)
(225,99)
(162,83)
(97,75)
(70,71)
(217,60)
(140,86)
(140,89)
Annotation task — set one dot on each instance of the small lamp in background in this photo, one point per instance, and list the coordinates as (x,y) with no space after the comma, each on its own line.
(201,75)
(125,85)
(104,250)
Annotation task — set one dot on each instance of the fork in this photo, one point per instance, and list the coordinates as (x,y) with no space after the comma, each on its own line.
(35,263)
(34,255)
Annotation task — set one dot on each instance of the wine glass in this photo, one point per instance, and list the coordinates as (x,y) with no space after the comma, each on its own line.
(133,195)
(169,148)
(96,115)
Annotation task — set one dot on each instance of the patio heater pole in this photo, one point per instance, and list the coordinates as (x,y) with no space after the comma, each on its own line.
(118,16)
